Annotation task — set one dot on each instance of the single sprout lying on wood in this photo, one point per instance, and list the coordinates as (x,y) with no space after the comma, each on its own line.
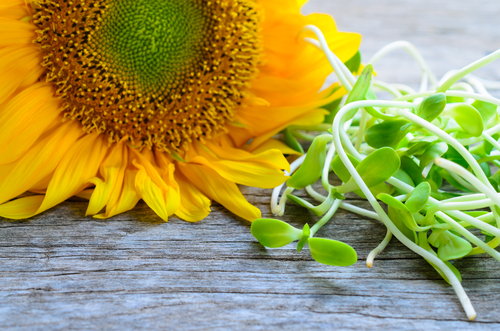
(400,152)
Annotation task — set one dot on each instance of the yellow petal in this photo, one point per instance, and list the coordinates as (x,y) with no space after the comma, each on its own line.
(160,195)
(5,4)
(21,208)
(85,194)
(194,205)
(24,119)
(274,144)
(302,2)
(264,124)
(112,172)
(16,64)
(16,32)
(263,170)
(79,165)
(123,199)
(313,117)
(38,162)
(219,189)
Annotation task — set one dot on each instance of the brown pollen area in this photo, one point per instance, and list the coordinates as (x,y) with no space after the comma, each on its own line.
(109,93)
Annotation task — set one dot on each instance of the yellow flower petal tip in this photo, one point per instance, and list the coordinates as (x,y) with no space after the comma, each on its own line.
(176,109)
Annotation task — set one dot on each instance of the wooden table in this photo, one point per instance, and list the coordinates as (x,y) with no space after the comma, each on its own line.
(62,270)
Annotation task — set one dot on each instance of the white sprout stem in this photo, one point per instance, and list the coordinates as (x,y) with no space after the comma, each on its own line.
(468,69)
(475,96)
(326,167)
(424,83)
(491,131)
(480,224)
(346,139)
(344,205)
(377,250)
(463,182)
(303,135)
(455,206)
(404,88)
(414,96)
(276,209)
(412,50)
(427,169)
(279,210)
(487,218)
(315,194)
(449,140)
(352,129)
(477,85)
(453,167)
(325,48)
(323,45)
(469,236)
(387,87)
(333,209)
(361,129)
(360,211)
(488,84)
(466,87)
(463,205)
(468,197)
(477,222)
(462,86)
(497,216)
(454,282)
(446,76)
(491,140)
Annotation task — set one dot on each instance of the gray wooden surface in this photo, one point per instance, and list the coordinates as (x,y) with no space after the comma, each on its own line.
(62,270)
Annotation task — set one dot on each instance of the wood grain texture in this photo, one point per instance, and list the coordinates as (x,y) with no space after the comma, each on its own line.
(64,271)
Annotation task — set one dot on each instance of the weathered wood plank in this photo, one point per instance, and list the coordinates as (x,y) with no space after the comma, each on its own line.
(64,271)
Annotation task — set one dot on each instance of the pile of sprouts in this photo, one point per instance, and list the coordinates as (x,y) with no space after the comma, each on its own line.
(428,155)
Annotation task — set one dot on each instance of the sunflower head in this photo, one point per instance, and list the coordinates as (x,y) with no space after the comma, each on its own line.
(170,101)
(159,73)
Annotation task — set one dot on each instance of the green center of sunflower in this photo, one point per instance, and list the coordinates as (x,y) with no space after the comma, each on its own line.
(160,73)
(151,44)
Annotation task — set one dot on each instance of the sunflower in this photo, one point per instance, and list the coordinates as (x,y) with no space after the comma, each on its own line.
(174,102)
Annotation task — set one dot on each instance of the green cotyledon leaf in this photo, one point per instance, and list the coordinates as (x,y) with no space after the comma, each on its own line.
(292,142)
(340,169)
(418,198)
(312,167)
(332,252)
(274,233)
(467,117)
(432,106)
(412,169)
(306,233)
(487,110)
(422,242)
(354,62)
(452,246)
(320,209)
(386,134)
(362,85)
(376,168)
(403,211)
(433,152)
